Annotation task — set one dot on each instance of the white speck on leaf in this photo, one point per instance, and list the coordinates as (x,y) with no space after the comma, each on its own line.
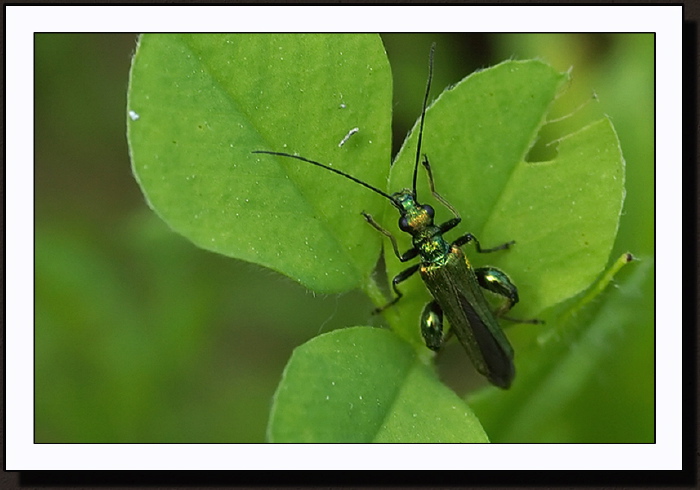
(347,136)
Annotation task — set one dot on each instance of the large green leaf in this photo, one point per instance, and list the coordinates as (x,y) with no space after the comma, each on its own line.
(563,213)
(200,104)
(366,385)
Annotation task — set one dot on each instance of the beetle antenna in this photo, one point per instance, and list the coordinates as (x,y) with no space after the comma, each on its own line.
(347,176)
(422,117)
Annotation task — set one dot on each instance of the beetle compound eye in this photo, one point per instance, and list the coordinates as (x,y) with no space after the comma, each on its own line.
(403,224)
(429,209)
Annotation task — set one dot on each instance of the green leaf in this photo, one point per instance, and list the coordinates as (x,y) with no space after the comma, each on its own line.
(566,214)
(366,385)
(563,214)
(200,104)
(565,390)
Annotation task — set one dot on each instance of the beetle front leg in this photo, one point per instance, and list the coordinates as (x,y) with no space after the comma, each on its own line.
(437,196)
(408,255)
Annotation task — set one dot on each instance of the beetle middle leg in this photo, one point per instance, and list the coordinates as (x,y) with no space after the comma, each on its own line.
(471,238)
(399,278)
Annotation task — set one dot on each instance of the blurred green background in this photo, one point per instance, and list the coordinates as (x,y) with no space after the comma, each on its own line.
(142,337)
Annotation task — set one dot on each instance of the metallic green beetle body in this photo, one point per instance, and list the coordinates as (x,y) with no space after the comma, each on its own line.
(456,290)
(455,286)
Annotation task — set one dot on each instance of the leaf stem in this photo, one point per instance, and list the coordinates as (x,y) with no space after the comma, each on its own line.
(592,293)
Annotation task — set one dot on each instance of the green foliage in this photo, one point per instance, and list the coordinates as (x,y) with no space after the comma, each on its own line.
(205,102)
(478,136)
(365,385)
(562,365)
